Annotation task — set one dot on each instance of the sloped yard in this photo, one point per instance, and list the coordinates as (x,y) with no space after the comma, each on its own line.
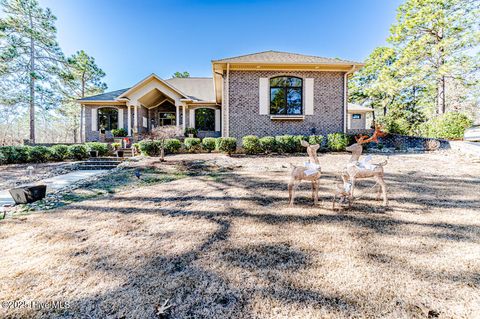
(222,243)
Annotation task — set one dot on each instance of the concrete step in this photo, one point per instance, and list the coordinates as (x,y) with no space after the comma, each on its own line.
(105,159)
(101,163)
(95,167)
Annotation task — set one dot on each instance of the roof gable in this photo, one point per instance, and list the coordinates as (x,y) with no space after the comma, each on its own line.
(278,57)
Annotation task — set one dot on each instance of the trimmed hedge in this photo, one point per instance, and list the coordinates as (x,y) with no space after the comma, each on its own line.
(59,152)
(172,146)
(315,139)
(208,144)
(149,148)
(286,144)
(337,141)
(226,144)
(39,154)
(268,144)
(102,148)
(78,151)
(192,144)
(251,144)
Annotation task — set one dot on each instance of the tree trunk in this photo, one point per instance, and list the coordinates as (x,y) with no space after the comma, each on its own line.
(82,110)
(81,123)
(162,154)
(32,86)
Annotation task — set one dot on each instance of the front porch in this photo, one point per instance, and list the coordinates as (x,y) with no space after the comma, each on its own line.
(150,104)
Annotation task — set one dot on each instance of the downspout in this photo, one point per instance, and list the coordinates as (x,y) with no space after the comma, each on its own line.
(345,97)
(227,103)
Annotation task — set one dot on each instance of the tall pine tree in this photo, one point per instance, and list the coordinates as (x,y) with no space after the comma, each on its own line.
(30,55)
(434,40)
(82,77)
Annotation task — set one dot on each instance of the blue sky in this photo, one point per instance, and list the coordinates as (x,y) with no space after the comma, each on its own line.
(133,38)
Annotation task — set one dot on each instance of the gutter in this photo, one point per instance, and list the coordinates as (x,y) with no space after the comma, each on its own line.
(345,97)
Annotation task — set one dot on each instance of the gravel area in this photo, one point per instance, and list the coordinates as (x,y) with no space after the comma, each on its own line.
(223,243)
(16,174)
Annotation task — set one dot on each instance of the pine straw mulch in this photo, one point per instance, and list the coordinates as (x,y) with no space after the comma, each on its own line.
(222,243)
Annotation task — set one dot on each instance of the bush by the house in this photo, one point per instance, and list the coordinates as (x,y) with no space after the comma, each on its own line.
(78,151)
(39,154)
(192,144)
(450,125)
(119,132)
(337,141)
(226,144)
(3,159)
(149,148)
(251,144)
(22,153)
(298,143)
(172,146)
(286,144)
(208,144)
(315,139)
(9,154)
(394,124)
(267,143)
(102,148)
(59,152)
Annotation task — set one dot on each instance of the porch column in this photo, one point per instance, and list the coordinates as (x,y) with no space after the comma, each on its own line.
(135,119)
(177,114)
(129,120)
(184,116)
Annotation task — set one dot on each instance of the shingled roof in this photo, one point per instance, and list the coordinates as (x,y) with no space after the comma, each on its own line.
(283,58)
(197,88)
(108,96)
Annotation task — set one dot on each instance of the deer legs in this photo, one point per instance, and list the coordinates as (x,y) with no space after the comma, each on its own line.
(292,187)
(383,187)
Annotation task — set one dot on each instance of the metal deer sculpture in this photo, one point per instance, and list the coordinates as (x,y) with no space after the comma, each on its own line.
(310,172)
(356,169)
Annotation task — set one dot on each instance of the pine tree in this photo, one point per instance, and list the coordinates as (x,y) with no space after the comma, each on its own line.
(434,40)
(81,78)
(31,58)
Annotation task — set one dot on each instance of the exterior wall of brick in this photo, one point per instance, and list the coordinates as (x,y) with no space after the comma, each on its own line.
(244,117)
(94,136)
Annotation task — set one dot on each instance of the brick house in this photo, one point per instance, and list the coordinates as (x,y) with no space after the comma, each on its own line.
(266,93)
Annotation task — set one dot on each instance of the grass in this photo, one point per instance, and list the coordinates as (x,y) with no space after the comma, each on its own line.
(221,242)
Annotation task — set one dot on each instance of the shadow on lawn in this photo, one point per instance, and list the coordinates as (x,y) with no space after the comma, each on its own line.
(197,292)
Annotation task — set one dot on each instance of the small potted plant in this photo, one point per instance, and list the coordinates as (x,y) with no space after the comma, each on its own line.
(93,153)
(116,146)
(191,132)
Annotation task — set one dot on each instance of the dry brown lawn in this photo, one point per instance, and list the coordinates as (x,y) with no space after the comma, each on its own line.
(225,245)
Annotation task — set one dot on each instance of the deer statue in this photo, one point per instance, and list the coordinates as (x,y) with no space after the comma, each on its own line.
(356,169)
(310,172)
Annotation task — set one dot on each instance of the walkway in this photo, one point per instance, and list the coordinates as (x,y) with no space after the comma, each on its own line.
(53,183)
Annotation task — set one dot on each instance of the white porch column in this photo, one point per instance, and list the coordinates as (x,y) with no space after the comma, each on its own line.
(177,114)
(184,116)
(217,120)
(135,119)
(191,118)
(129,120)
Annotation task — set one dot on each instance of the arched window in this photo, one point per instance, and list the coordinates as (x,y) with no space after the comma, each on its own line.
(286,95)
(205,119)
(107,118)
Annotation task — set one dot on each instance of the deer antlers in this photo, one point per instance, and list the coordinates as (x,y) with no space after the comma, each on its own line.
(362,139)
